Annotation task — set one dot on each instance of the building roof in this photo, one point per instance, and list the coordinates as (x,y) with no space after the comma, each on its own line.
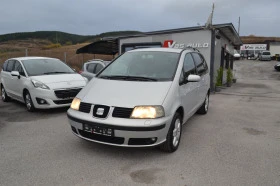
(109,45)
(227,30)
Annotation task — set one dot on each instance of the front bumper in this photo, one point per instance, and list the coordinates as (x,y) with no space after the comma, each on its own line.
(127,132)
(49,96)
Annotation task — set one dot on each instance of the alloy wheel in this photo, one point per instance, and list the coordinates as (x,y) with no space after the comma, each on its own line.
(28,101)
(206,103)
(176,132)
(3,93)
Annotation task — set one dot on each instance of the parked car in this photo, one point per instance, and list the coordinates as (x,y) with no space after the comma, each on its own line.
(236,55)
(40,82)
(142,98)
(265,56)
(277,66)
(91,68)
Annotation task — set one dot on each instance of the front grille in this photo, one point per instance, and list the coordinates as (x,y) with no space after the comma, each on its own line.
(101,138)
(141,141)
(60,102)
(85,107)
(120,112)
(67,93)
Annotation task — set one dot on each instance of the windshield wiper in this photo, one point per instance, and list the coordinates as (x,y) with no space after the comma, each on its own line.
(57,72)
(136,78)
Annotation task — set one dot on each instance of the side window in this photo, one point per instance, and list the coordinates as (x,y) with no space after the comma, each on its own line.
(98,68)
(90,67)
(189,66)
(199,64)
(18,67)
(10,65)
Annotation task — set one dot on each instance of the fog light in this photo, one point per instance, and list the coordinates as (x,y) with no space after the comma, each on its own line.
(153,139)
(41,101)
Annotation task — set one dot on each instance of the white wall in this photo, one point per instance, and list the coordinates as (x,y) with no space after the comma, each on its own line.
(274,48)
(192,37)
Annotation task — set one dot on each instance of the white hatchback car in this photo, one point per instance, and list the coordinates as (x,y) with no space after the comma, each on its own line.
(142,98)
(40,82)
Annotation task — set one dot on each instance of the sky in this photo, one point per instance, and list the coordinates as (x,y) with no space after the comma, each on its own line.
(90,17)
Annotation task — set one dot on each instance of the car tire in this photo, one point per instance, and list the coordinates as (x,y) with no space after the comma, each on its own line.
(28,102)
(174,135)
(205,106)
(4,95)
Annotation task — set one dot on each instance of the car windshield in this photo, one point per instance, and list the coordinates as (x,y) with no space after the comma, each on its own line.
(143,66)
(266,53)
(37,67)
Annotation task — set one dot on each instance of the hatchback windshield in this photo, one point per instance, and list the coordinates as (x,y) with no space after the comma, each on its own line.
(143,66)
(37,67)
(266,53)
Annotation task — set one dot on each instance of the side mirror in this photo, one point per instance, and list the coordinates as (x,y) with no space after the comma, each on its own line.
(193,78)
(15,73)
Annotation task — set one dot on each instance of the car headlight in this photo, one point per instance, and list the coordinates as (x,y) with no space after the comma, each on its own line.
(147,112)
(38,84)
(75,104)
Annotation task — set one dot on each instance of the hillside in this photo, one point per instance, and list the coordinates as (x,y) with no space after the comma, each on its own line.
(61,37)
(251,39)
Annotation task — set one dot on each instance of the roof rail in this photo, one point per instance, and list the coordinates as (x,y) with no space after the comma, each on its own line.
(189,47)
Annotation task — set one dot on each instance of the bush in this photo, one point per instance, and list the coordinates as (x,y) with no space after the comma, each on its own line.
(219,77)
(57,45)
(68,43)
(229,75)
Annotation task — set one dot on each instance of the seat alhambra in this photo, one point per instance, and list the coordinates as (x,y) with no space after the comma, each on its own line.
(142,98)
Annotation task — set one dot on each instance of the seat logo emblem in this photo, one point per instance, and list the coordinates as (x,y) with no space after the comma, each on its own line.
(100,111)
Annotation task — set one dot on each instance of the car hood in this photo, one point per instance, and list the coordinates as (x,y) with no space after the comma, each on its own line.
(58,81)
(124,93)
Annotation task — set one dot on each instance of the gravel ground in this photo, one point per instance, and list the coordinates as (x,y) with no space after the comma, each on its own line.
(236,143)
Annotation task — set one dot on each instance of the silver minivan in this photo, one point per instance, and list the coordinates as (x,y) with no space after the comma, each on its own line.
(142,98)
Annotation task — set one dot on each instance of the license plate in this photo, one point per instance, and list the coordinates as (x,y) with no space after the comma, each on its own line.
(98,130)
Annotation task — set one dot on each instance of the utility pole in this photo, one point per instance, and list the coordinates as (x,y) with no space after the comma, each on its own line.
(26,52)
(238,25)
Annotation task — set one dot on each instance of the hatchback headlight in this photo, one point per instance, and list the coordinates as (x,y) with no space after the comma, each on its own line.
(147,112)
(75,104)
(38,84)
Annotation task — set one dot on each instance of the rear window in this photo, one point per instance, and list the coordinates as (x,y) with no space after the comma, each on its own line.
(266,53)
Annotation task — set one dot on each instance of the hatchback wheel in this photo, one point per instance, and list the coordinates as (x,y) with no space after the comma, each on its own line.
(174,135)
(28,102)
(4,95)
(205,106)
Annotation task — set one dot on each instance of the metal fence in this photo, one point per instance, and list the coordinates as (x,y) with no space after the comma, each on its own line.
(69,56)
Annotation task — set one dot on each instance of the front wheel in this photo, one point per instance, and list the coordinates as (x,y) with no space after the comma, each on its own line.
(205,106)
(28,102)
(4,95)
(174,135)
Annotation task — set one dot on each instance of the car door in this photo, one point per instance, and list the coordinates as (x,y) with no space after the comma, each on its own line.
(7,77)
(18,82)
(188,90)
(202,71)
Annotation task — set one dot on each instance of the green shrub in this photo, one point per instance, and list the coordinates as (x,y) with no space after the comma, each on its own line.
(229,75)
(219,77)
(68,43)
(57,45)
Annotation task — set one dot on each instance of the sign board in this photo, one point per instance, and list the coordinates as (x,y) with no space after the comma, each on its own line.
(175,44)
(253,47)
